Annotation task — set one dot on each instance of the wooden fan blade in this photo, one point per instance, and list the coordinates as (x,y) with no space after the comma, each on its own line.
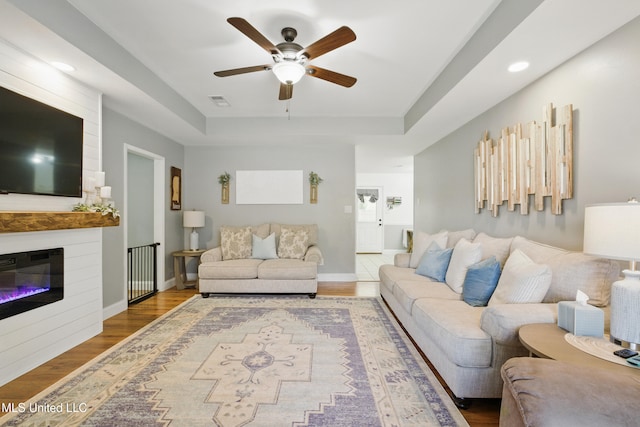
(331,76)
(248,30)
(339,37)
(286,92)
(227,73)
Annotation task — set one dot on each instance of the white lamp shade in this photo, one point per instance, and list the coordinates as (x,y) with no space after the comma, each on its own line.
(613,231)
(288,72)
(193,219)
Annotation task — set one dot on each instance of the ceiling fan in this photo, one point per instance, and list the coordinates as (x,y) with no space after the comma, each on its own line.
(291,59)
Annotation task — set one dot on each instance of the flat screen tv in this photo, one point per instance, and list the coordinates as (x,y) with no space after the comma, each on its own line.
(40,148)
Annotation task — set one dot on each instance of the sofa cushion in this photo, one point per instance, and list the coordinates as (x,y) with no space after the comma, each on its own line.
(572,271)
(576,271)
(235,242)
(480,282)
(521,281)
(311,229)
(434,262)
(455,327)
(494,246)
(390,274)
(464,254)
(230,269)
(264,248)
(293,243)
(287,269)
(421,241)
(454,236)
(538,252)
(408,291)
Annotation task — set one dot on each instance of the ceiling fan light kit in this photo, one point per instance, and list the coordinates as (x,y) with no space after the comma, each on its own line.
(289,72)
(290,58)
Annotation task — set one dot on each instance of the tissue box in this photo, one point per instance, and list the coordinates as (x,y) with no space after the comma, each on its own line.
(581,319)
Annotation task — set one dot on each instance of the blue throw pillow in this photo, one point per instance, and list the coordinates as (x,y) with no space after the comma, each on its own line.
(434,262)
(480,282)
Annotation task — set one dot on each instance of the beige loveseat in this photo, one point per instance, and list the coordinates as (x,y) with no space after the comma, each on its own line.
(265,259)
(469,344)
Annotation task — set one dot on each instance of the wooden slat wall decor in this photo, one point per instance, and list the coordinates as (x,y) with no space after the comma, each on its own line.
(533,159)
(14,222)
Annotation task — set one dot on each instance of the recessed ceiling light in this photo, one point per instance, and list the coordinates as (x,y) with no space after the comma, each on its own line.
(62,66)
(518,66)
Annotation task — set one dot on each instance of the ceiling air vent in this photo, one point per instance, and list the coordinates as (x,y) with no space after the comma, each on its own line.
(220,101)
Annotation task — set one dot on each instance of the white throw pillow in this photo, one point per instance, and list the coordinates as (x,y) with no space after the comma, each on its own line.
(522,281)
(464,254)
(421,241)
(264,248)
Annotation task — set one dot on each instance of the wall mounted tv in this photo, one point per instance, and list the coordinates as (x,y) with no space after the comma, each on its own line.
(40,148)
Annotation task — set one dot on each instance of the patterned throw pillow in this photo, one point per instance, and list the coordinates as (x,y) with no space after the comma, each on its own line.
(293,243)
(235,242)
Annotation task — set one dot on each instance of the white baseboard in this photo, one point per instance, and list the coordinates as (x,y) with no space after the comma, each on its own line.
(337,277)
(167,284)
(114,309)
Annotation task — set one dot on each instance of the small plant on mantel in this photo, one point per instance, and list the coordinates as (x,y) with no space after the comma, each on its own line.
(97,207)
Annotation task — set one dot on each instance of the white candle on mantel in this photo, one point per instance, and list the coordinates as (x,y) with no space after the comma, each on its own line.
(89,184)
(99,179)
(105,192)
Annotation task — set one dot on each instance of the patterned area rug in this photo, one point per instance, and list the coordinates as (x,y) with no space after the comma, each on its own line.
(257,361)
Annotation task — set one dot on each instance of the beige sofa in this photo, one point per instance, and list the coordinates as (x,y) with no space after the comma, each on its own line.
(265,259)
(469,344)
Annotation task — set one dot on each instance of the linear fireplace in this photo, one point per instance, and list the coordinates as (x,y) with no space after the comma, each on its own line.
(30,279)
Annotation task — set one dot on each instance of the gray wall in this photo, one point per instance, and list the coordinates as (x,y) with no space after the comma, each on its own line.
(117,131)
(335,164)
(603,84)
(139,200)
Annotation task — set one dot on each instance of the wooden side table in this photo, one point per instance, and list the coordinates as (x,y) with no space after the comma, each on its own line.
(547,340)
(180,267)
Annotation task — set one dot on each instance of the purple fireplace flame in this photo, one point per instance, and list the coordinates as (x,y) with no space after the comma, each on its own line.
(20,292)
(29,280)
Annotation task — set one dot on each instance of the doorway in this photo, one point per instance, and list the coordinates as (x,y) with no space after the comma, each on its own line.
(369,221)
(144,206)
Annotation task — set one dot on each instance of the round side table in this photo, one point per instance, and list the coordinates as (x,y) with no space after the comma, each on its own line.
(547,340)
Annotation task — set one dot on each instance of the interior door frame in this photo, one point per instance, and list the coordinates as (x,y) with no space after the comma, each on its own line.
(159,207)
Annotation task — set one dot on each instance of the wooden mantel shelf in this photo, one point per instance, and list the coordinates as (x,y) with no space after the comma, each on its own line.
(14,222)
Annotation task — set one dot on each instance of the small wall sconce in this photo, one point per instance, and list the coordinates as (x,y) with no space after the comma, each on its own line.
(393,201)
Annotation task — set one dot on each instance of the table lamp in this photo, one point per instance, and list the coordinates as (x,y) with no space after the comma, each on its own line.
(613,231)
(193,220)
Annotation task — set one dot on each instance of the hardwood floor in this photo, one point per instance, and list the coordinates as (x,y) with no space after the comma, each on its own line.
(483,412)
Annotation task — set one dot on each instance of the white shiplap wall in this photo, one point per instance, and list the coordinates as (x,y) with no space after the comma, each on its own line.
(29,339)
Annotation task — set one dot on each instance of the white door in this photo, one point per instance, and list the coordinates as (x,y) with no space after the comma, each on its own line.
(369,227)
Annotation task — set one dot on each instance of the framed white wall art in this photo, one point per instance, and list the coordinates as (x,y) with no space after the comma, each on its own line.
(269,187)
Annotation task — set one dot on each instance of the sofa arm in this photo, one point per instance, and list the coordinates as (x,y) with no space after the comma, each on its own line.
(212,255)
(402,259)
(314,254)
(503,321)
